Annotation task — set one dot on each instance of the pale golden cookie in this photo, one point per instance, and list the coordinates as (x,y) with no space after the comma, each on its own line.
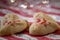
(11,24)
(43,24)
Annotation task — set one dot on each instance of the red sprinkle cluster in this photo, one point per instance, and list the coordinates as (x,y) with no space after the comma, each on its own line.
(38,20)
(11,22)
(42,22)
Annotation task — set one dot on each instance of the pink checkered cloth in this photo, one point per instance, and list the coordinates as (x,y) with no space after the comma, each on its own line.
(27,14)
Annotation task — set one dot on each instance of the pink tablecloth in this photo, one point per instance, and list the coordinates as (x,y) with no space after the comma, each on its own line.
(27,14)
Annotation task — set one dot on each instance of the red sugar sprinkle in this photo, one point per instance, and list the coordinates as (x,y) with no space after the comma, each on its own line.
(38,20)
(44,21)
(17,21)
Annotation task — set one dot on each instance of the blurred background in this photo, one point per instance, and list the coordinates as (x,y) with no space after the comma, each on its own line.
(29,2)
